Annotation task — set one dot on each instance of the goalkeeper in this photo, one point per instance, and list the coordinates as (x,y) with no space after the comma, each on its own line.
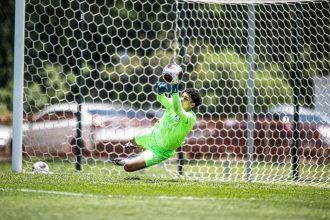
(161,141)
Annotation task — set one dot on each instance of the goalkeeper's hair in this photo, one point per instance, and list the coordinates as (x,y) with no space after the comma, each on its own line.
(195,96)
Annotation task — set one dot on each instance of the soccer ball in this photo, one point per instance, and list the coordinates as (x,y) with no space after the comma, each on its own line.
(172,73)
(40,167)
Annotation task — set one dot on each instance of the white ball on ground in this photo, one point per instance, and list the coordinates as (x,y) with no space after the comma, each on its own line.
(40,167)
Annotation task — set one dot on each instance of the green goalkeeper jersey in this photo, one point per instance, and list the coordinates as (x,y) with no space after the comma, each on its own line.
(170,131)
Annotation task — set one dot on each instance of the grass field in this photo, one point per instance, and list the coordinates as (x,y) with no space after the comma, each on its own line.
(135,196)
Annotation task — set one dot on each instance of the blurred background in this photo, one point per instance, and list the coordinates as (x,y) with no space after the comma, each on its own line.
(130,42)
(7,13)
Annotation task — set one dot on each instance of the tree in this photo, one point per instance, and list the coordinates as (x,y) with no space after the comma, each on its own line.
(7,9)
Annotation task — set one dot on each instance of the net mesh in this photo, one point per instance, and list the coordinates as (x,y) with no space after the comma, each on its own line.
(107,55)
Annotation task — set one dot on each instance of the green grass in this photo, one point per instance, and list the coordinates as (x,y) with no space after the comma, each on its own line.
(309,174)
(136,196)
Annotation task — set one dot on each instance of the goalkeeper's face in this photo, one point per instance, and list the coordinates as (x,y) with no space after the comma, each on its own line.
(186,102)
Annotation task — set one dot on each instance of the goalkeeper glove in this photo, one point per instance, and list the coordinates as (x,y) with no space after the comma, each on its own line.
(161,87)
(175,88)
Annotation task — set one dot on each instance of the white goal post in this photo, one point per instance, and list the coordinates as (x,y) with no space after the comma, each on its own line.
(85,72)
(18,86)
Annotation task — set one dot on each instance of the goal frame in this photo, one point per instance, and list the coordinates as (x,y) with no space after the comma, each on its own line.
(297,37)
(18,86)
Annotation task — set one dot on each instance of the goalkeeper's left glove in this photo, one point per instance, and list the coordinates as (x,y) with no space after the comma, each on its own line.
(161,87)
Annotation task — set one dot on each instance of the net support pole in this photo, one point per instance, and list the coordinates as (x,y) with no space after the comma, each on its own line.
(297,44)
(183,41)
(79,74)
(250,88)
(18,86)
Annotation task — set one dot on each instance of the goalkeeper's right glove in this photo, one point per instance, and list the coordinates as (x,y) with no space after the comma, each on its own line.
(161,87)
(175,88)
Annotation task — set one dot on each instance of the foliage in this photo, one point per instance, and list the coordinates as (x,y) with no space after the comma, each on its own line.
(225,75)
(49,86)
(6,54)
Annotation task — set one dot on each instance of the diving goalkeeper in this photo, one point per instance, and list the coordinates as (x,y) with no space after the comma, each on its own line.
(161,141)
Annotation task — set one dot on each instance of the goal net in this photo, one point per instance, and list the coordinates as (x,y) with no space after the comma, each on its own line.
(262,68)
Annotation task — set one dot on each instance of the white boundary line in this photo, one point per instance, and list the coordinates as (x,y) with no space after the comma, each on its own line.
(108,196)
(186,198)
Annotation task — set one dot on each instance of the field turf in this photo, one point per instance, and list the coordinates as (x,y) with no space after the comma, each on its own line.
(135,196)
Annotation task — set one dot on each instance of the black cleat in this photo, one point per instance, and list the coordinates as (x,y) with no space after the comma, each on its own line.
(119,161)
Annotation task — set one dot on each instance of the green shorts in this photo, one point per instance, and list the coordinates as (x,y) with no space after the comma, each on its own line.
(153,154)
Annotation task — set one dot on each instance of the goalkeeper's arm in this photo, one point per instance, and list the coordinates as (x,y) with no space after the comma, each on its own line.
(177,103)
(161,90)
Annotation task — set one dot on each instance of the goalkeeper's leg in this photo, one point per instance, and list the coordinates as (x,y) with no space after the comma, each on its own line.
(134,164)
(146,159)
(131,163)
(120,161)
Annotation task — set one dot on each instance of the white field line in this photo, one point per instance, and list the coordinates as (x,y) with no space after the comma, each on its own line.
(107,196)
(50,192)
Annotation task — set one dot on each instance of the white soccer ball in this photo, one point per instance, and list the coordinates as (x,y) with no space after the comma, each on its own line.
(172,73)
(40,167)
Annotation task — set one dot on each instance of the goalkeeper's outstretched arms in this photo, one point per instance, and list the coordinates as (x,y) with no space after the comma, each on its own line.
(189,99)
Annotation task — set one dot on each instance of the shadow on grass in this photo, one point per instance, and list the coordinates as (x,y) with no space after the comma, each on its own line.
(151,180)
